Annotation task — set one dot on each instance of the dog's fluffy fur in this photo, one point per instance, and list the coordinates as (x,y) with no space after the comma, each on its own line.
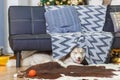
(75,57)
(37,58)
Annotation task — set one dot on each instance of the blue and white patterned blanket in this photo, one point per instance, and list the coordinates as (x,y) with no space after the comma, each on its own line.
(97,45)
(96,42)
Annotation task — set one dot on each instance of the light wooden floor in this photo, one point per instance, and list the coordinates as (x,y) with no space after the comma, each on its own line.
(7,73)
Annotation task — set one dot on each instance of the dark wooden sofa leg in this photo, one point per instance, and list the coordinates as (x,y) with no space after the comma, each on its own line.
(18,57)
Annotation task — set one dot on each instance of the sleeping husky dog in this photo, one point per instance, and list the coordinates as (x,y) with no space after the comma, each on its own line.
(33,59)
(75,57)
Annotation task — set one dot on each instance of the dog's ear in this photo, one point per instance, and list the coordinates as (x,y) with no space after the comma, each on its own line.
(65,57)
(84,49)
(74,48)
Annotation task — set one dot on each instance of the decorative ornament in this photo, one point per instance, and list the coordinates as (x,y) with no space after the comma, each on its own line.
(64,0)
(48,3)
(80,0)
(69,2)
(61,2)
(57,2)
(115,56)
(74,2)
(50,0)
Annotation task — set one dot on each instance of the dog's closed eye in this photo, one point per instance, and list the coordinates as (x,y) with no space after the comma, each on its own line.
(74,52)
(82,52)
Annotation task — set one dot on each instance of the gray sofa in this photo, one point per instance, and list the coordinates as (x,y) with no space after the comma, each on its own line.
(27,29)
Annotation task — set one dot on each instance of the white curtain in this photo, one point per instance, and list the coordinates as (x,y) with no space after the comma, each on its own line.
(95,2)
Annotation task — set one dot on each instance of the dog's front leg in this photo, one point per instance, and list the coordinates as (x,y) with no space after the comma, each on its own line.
(61,63)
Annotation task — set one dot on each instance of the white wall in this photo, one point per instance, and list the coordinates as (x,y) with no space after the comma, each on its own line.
(99,2)
(24,2)
(29,2)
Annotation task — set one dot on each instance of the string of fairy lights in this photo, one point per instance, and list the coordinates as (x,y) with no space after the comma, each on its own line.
(61,2)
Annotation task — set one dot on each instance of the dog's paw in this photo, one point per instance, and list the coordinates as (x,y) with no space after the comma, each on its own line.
(75,64)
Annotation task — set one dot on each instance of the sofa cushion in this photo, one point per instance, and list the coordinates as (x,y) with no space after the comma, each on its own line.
(30,42)
(62,20)
(27,20)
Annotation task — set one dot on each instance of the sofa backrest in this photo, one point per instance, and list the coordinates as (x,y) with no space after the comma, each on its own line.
(26,20)
(115,8)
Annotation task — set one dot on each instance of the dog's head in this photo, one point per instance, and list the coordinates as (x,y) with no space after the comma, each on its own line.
(77,55)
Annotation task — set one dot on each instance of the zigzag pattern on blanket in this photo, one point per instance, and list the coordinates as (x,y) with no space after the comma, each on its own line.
(97,43)
(62,43)
(98,48)
(92,17)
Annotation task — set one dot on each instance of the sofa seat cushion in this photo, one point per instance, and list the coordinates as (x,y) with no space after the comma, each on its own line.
(29,36)
(62,20)
(31,42)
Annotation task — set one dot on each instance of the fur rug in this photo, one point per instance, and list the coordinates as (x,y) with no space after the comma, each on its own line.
(56,72)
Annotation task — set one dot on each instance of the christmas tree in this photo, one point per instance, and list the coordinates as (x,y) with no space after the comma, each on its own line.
(61,2)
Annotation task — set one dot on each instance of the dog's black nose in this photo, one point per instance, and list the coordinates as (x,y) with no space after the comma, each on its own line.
(79,58)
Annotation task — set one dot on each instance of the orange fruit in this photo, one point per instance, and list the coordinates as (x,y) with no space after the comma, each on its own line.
(32,73)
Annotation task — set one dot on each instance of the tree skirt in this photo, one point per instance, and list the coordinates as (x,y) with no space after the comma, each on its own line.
(54,71)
